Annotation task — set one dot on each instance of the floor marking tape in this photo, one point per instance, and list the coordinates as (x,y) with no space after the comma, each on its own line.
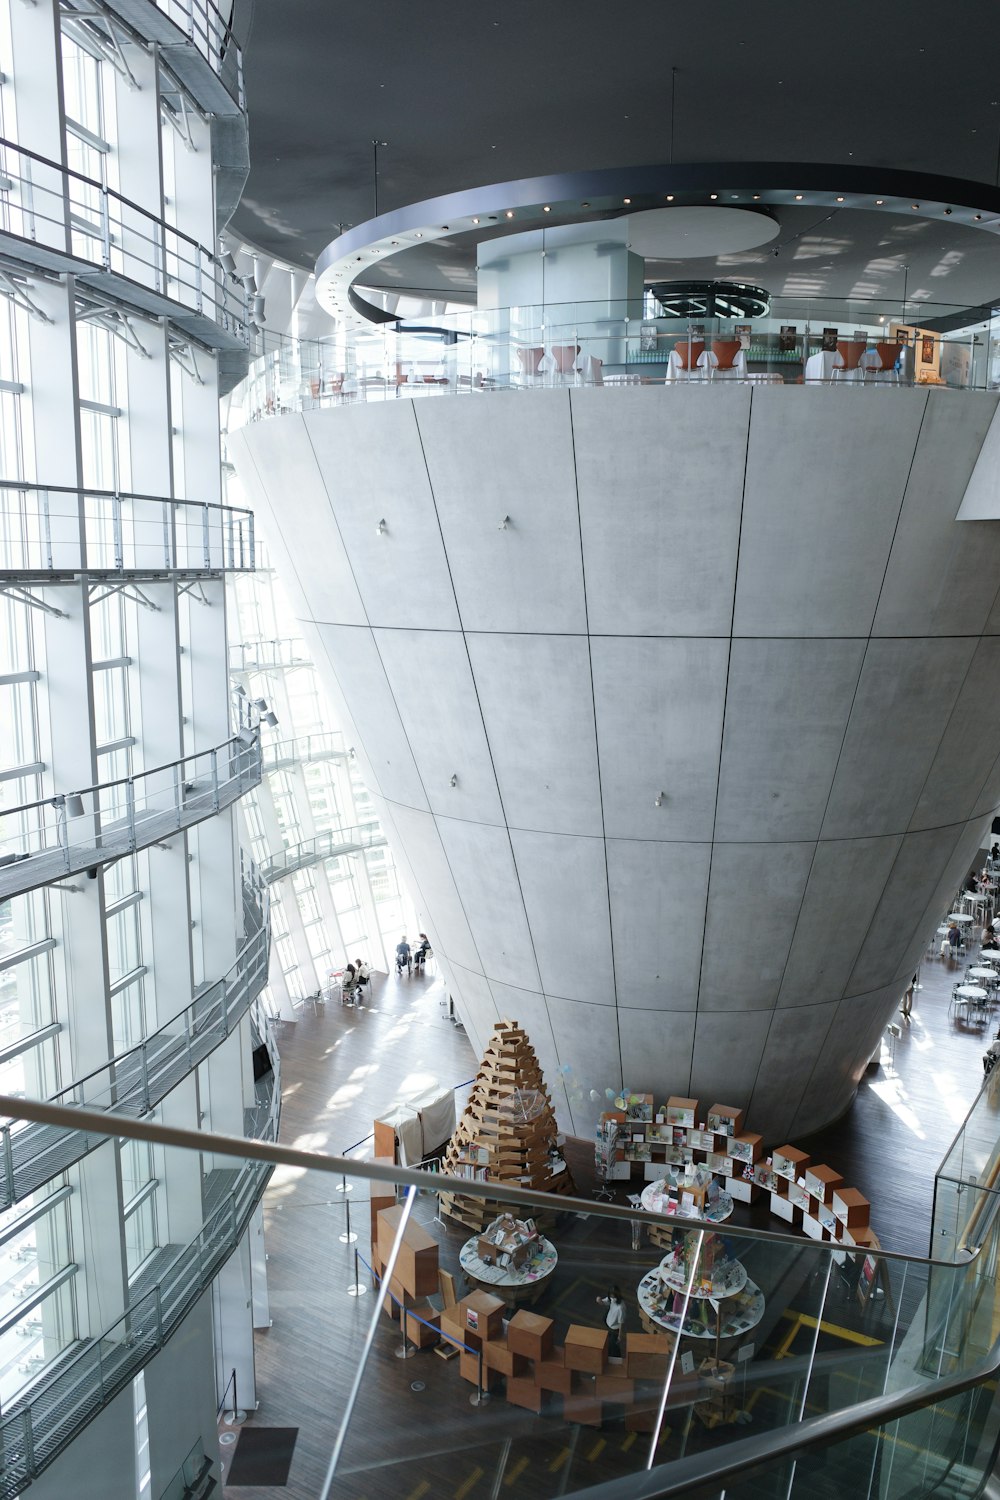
(468,1484)
(597,1449)
(516,1471)
(557,1462)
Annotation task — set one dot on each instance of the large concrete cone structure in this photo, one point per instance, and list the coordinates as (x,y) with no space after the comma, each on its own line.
(678,703)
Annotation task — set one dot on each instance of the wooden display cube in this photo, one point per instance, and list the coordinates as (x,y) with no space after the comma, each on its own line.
(682,1111)
(789,1161)
(552,1374)
(453,1332)
(742,1189)
(500,1357)
(746,1148)
(583,1408)
(522,1391)
(530,1335)
(812,1227)
(468,1365)
(861,1239)
(799,1196)
(586,1349)
(614,1384)
(647,1355)
(821,1181)
(383,1195)
(417,1261)
(725,1119)
(487,1315)
(420,1333)
(851,1208)
(721,1165)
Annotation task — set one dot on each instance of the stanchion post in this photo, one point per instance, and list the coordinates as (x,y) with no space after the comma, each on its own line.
(405,1350)
(343,1186)
(480,1395)
(357,1288)
(348,1237)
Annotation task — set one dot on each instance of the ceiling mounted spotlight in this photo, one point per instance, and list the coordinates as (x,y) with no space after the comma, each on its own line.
(879,202)
(381,528)
(74,805)
(626,200)
(546,208)
(249,285)
(798,197)
(713,196)
(504,523)
(659,799)
(475,221)
(453,780)
(257,311)
(670,197)
(228,264)
(271,718)
(840,200)
(584,205)
(509,214)
(914,205)
(947,210)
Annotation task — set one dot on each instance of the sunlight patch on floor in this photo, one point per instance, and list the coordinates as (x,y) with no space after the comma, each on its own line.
(892,1093)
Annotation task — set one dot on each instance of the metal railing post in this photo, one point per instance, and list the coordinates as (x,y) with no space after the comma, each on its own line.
(116,531)
(159,1316)
(47,529)
(8,1167)
(105,229)
(144,1076)
(130,810)
(62,830)
(178,794)
(206,537)
(215,779)
(198,292)
(29,1442)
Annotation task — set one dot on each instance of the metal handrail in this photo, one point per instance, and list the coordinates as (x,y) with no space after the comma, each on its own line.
(267,655)
(327,845)
(136,1079)
(193,788)
(324,745)
(111,1359)
(178,535)
(129,237)
(694,1476)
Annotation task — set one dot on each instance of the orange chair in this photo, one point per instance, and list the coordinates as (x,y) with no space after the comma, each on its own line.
(529,360)
(565,357)
(681,350)
(887,355)
(850,351)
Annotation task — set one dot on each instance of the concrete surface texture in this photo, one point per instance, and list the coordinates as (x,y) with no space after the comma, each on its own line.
(686,761)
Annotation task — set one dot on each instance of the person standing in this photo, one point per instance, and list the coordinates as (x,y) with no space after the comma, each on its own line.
(615,1320)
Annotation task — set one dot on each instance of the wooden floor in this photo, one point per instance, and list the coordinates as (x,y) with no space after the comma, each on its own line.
(341,1067)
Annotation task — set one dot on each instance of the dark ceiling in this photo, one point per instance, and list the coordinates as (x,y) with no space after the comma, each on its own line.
(472,94)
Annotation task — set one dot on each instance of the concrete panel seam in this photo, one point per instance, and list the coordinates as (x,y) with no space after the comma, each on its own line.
(722,730)
(597,745)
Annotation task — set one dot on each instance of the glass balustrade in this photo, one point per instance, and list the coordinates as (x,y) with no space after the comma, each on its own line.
(863,345)
(733,1340)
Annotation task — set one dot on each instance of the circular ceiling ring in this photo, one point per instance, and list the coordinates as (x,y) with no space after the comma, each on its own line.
(485,212)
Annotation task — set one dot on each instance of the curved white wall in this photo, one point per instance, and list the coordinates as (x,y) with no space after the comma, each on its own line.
(757,602)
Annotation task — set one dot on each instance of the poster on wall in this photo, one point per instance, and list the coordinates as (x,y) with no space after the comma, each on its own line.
(927,349)
(830,340)
(742,332)
(787,339)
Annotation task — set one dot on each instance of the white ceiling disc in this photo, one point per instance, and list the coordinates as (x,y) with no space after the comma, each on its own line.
(691,233)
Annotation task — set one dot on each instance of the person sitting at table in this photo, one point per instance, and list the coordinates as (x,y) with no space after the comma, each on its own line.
(972,884)
(949,947)
(990,940)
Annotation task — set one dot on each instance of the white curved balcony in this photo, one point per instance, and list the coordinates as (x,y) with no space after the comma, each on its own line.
(71,831)
(133,1082)
(52,530)
(328,845)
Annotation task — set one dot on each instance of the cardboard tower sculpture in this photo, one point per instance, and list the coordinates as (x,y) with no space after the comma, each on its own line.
(507,1133)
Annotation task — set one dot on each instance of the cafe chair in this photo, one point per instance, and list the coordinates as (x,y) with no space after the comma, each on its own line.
(880,363)
(850,351)
(530,361)
(590,370)
(677,361)
(726,358)
(559,364)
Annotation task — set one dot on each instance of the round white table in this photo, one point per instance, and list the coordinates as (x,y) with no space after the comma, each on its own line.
(971,992)
(983,973)
(961,917)
(513,1284)
(654,1199)
(709,1317)
(989,955)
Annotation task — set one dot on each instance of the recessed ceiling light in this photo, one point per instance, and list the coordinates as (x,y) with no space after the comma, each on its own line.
(879,202)
(914,205)
(670,197)
(475,221)
(419,235)
(584,205)
(509,214)
(546,209)
(979,216)
(798,197)
(756,197)
(713,196)
(626,200)
(840,200)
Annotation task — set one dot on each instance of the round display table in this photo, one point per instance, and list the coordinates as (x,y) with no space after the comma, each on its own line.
(516,1285)
(726,1313)
(654,1198)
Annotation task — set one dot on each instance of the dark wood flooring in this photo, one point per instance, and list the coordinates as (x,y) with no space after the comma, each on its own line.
(414,1434)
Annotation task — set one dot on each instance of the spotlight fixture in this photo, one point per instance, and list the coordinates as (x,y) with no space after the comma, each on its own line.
(509,214)
(978,216)
(504,523)
(454,780)
(840,200)
(713,196)
(381,528)
(546,208)
(798,197)
(249,285)
(227,263)
(74,805)
(258,309)
(670,197)
(756,197)
(659,799)
(271,718)
(626,200)
(914,205)
(584,205)
(246,736)
(879,202)
(475,220)
(947,210)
